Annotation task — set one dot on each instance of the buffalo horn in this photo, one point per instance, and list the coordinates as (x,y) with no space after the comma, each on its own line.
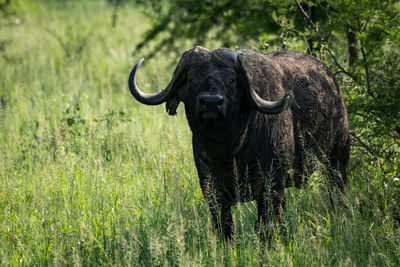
(145,98)
(271,107)
(264,106)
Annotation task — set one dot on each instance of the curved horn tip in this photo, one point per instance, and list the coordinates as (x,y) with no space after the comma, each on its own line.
(140,61)
(274,107)
(288,100)
(137,65)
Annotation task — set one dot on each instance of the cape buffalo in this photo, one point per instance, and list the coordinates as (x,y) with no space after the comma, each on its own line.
(246,146)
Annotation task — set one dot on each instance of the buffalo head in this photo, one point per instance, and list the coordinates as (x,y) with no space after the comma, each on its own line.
(211,85)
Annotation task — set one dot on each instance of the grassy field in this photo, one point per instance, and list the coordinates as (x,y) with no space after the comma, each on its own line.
(90,177)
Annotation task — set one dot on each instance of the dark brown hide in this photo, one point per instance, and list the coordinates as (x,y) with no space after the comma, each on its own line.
(243,154)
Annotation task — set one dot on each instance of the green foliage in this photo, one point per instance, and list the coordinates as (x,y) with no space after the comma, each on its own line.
(230,22)
(8,7)
(90,177)
(8,18)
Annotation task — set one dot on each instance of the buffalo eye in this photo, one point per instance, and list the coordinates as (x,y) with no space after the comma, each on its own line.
(231,81)
(230,86)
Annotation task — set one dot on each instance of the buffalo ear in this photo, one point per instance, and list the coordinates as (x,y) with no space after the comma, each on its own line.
(242,74)
(190,57)
(261,105)
(171,105)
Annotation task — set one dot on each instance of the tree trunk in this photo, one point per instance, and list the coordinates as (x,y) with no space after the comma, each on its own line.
(352,46)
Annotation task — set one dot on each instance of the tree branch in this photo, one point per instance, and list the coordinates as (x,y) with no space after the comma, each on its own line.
(343,70)
(307,16)
(364,145)
(364,55)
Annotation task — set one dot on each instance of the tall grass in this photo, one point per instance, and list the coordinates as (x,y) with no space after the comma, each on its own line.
(88,176)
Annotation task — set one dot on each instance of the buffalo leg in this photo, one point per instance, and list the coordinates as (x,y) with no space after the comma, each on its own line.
(344,165)
(227,221)
(339,164)
(269,206)
(220,212)
(211,199)
(215,214)
(222,218)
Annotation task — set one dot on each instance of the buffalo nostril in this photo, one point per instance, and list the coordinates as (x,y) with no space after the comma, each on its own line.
(210,100)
